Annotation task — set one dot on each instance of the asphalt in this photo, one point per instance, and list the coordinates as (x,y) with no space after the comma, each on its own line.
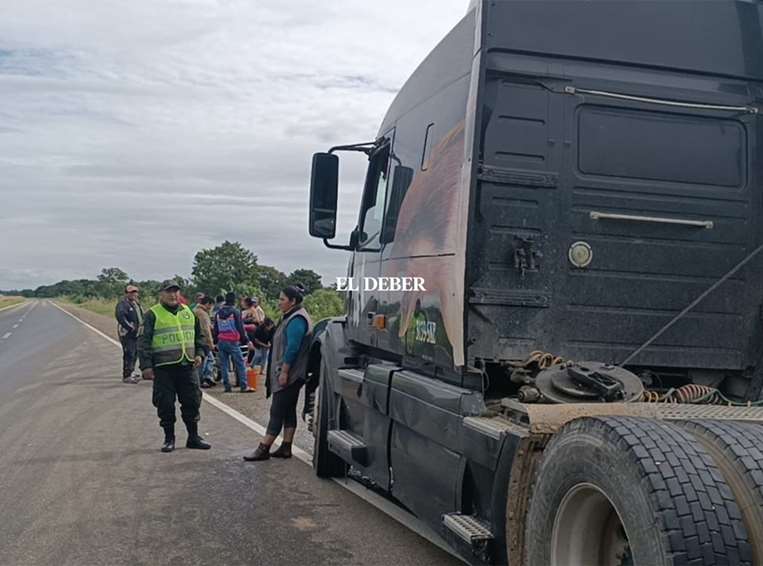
(82,481)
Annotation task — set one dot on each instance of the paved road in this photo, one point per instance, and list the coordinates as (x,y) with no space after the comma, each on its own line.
(82,481)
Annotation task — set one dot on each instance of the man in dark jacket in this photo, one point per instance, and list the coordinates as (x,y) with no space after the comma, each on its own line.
(229,336)
(171,347)
(129,315)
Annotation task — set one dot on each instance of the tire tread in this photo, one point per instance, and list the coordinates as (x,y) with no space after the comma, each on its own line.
(695,506)
(740,445)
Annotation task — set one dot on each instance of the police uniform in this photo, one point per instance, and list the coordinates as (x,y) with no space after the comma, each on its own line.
(171,339)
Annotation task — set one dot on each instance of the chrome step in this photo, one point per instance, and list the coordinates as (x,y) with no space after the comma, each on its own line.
(349,447)
(493,427)
(468,527)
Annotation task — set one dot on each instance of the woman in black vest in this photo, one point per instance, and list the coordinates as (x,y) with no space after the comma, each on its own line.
(286,373)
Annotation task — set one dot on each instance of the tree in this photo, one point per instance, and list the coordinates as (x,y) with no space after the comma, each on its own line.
(149,292)
(271,281)
(228,267)
(113,274)
(324,303)
(308,278)
(111,282)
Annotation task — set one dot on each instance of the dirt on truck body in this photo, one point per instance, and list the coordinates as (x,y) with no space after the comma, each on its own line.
(578,184)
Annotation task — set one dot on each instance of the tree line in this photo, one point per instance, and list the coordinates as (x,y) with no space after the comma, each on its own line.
(216,271)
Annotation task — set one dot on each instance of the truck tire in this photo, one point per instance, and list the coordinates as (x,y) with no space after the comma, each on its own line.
(325,463)
(737,449)
(621,491)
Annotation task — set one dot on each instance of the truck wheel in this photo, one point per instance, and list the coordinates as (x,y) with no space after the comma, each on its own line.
(325,463)
(619,491)
(737,449)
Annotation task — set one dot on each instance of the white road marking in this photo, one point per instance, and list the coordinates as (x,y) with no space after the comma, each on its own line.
(382,504)
(93,328)
(6,335)
(258,428)
(15,326)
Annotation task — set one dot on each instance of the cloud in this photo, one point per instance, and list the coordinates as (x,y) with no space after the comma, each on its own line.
(136,133)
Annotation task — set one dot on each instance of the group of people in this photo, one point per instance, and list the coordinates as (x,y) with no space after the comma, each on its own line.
(227,331)
(176,343)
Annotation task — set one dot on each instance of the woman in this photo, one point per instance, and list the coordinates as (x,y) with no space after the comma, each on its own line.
(247,312)
(286,373)
(249,316)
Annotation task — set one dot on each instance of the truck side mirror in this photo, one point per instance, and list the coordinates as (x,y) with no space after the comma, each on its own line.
(324,181)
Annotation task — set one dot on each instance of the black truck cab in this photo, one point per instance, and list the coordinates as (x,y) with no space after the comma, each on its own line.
(566,177)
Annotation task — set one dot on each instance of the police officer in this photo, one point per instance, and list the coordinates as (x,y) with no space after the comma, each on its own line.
(171,347)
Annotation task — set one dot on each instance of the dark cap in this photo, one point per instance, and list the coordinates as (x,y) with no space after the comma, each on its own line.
(168,285)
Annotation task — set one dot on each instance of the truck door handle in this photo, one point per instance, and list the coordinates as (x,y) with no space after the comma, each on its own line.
(655,219)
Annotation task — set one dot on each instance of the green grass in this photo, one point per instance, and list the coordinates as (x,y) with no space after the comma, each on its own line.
(10,301)
(99,306)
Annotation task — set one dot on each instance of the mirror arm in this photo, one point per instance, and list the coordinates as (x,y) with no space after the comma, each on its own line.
(337,247)
(365,147)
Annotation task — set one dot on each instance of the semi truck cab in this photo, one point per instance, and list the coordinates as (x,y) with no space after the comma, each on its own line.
(578,186)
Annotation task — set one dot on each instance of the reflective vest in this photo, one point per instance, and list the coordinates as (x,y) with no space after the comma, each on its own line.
(174,336)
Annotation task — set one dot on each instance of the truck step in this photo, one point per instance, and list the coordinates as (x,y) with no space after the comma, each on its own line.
(468,527)
(351,448)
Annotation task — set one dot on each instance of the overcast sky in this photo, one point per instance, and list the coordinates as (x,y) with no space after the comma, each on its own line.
(134,133)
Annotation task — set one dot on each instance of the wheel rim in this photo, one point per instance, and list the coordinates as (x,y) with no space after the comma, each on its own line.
(588,530)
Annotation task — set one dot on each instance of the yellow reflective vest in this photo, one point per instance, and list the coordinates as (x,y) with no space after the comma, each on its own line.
(174,334)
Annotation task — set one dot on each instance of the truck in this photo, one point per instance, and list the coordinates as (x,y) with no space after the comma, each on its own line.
(578,379)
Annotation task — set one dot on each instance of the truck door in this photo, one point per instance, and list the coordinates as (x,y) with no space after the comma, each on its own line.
(366,260)
(364,422)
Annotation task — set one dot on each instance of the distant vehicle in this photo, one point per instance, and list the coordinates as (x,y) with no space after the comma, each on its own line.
(579,184)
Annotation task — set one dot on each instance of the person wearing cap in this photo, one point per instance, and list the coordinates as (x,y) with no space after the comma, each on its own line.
(171,347)
(197,301)
(129,315)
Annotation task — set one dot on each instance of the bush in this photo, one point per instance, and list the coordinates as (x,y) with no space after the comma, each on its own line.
(324,303)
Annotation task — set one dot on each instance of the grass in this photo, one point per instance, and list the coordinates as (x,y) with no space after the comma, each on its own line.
(99,306)
(10,301)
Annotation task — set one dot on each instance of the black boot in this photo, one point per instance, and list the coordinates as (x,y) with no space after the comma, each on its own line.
(194,440)
(262,453)
(284,451)
(169,438)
